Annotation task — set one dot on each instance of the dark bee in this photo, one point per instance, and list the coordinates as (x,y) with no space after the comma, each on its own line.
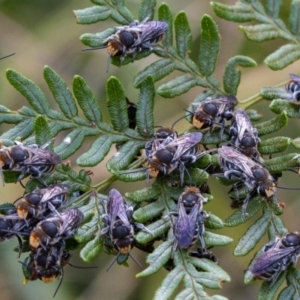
(42,201)
(244,135)
(135,37)
(203,253)
(293,89)
(162,137)
(53,229)
(241,168)
(11,226)
(30,159)
(119,228)
(190,218)
(170,154)
(213,110)
(277,256)
(46,263)
(131,113)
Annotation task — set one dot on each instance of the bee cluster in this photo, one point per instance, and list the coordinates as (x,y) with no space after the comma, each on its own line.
(44,225)
(38,217)
(239,162)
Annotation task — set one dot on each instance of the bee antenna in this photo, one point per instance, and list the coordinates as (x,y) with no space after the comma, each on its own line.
(204,170)
(22,185)
(2,176)
(177,121)
(287,188)
(7,56)
(113,261)
(135,260)
(79,267)
(96,48)
(60,282)
(132,171)
(108,62)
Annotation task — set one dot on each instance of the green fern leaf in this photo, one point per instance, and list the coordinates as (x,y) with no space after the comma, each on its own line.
(183,35)
(92,15)
(252,235)
(209,46)
(145,107)
(87,101)
(61,93)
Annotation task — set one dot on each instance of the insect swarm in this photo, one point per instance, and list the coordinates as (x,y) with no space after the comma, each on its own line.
(78,114)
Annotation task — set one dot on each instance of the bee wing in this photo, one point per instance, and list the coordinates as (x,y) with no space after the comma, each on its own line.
(70,220)
(268,258)
(295,78)
(185,226)
(151,30)
(240,161)
(243,123)
(184,143)
(42,157)
(53,191)
(116,207)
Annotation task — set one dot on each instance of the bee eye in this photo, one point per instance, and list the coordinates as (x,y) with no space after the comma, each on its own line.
(165,155)
(163,133)
(127,38)
(260,173)
(33,198)
(210,109)
(49,228)
(291,239)
(248,141)
(18,154)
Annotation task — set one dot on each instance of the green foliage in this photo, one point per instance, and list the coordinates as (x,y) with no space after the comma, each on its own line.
(79,116)
(269,26)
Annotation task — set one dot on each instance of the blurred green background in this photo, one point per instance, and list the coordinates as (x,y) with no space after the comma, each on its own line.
(44,32)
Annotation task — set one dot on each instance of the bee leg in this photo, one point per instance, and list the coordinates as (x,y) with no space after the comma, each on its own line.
(144,228)
(182,168)
(20,245)
(245,204)
(104,230)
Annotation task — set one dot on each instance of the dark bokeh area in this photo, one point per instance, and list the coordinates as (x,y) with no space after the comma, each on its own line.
(45,33)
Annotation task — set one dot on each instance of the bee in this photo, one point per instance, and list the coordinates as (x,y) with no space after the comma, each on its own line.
(135,38)
(163,136)
(237,166)
(42,201)
(11,226)
(30,159)
(53,229)
(189,223)
(213,110)
(277,256)
(293,89)
(244,135)
(118,219)
(170,154)
(46,264)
